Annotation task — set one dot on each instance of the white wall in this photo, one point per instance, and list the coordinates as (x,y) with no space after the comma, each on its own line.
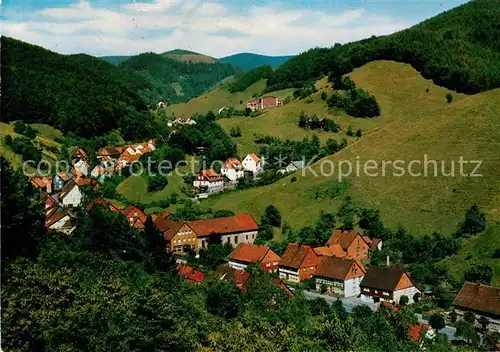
(410,292)
(237,265)
(243,237)
(232,174)
(351,287)
(73,198)
(288,275)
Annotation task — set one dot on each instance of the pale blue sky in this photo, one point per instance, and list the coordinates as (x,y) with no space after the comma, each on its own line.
(216,28)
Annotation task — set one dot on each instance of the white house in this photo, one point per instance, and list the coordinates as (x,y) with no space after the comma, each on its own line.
(388,284)
(60,221)
(232,169)
(70,195)
(252,163)
(340,276)
(208,180)
(82,167)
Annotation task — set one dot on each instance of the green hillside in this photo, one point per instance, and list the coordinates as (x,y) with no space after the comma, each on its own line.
(115,60)
(458,49)
(189,56)
(477,250)
(175,80)
(249,61)
(415,120)
(76,93)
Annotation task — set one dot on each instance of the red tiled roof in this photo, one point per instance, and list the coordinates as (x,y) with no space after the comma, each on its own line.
(294,255)
(334,250)
(63,176)
(38,183)
(135,213)
(249,253)
(372,242)
(190,273)
(169,228)
(231,224)
(284,287)
(104,203)
(478,297)
(239,277)
(82,181)
(163,215)
(337,268)
(55,217)
(344,238)
(389,305)
(254,157)
(232,163)
(82,153)
(415,331)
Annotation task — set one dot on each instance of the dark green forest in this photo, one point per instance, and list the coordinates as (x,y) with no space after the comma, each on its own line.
(76,93)
(162,72)
(458,49)
(249,61)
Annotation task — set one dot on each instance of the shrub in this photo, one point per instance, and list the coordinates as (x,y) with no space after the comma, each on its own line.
(480,273)
(358,132)
(294,179)
(235,131)
(30,132)
(449,98)
(19,127)
(157,182)
(349,131)
(496,253)
(8,140)
(416,297)
(323,95)
(437,321)
(403,300)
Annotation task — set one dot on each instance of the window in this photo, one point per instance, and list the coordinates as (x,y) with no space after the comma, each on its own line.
(268,264)
(235,239)
(246,236)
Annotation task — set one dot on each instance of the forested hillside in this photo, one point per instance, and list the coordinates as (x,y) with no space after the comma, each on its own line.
(174,80)
(115,60)
(459,49)
(249,61)
(76,93)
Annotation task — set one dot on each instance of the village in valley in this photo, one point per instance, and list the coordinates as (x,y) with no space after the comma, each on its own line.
(338,270)
(335,187)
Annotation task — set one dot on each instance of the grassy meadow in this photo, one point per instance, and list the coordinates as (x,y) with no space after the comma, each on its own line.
(415,121)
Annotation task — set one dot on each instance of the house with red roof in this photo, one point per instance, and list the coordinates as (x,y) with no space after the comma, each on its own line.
(195,235)
(298,263)
(482,301)
(70,195)
(232,169)
(135,216)
(388,284)
(252,163)
(340,276)
(373,243)
(208,180)
(335,250)
(352,243)
(104,203)
(59,220)
(246,253)
(238,276)
(192,275)
(420,331)
(265,102)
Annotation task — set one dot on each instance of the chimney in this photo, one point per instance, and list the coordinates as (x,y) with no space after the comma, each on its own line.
(388,261)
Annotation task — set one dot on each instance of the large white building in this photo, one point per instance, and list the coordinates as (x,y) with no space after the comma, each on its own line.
(252,163)
(71,196)
(232,169)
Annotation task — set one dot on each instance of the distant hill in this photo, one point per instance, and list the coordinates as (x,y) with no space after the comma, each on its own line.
(75,93)
(458,49)
(189,56)
(115,60)
(249,61)
(176,79)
